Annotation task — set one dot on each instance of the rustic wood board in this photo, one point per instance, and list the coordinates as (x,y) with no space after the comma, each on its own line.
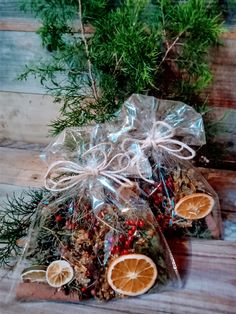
(19,24)
(24,168)
(211,265)
(11,8)
(21,167)
(18,49)
(210,287)
(25,117)
(203,261)
(221,92)
(226,122)
(12,20)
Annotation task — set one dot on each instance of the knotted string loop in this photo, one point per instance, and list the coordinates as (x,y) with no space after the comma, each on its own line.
(63,175)
(160,137)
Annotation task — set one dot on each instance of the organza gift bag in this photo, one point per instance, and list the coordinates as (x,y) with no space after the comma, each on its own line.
(87,241)
(159,132)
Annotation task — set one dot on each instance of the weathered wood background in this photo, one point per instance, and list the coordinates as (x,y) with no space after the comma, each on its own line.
(25,112)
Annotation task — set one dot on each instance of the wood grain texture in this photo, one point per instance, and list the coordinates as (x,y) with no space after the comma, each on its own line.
(29,24)
(25,117)
(18,28)
(11,8)
(226,122)
(19,24)
(208,267)
(222,92)
(18,49)
(210,287)
(224,182)
(23,167)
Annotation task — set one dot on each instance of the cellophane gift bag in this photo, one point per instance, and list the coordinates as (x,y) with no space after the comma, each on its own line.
(87,241)
(159,132)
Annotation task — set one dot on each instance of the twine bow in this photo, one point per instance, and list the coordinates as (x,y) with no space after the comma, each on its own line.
(160,136)
(63,175)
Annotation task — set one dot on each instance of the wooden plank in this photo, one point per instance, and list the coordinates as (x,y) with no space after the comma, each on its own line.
(18,49)
(11,8)
(205,261)
(226,121)
(15,56)
(24,168)
(224,183)
(221,92)
(21,167)
(22,24)
(19,24)
(25,117)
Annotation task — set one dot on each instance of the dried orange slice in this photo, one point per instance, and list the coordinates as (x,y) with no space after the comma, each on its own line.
(34,274)
(132,274)
(59,273)
(194,206)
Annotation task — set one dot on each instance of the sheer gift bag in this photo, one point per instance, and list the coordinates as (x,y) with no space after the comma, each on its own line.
(87,241)
(159,132)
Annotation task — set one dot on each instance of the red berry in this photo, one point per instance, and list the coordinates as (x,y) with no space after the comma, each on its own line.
(122,238)
(83,289)
(131,238)
(141,223)
(115,249)
(70,225)
(134,228)
(131,232)
(124,252)
(93,292)
(58,218)
(130,222)
(127,244)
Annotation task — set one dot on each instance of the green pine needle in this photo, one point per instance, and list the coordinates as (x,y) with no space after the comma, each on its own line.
(156,47)
(16,215)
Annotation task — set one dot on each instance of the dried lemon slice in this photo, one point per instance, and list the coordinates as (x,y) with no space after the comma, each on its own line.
(194,206)
(59,273)
(132,274)
(34,274)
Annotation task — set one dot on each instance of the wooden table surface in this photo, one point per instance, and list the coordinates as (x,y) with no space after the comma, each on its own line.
(209,265)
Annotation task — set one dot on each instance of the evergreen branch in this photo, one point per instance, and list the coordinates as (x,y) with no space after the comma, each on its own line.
(87,52)
(170,47)
(147,51)
(15,219)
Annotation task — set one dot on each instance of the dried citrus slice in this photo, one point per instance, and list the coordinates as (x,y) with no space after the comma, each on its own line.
(132,274)
(34,274)
(59,273)
(194,206)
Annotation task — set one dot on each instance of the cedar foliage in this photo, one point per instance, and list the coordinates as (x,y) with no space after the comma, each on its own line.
(16,216)
(156,47)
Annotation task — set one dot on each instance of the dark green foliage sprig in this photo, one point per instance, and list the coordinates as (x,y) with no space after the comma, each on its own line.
(15,219)
(156,47)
